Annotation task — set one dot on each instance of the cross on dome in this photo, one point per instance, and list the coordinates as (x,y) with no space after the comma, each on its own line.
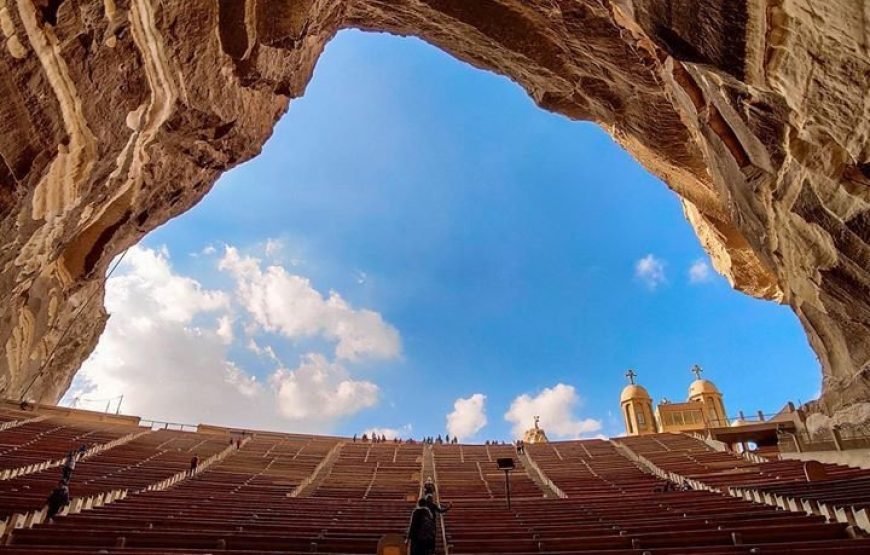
(631,376)
(697,371)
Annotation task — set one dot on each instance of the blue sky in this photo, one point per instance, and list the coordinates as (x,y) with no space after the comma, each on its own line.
(498,241)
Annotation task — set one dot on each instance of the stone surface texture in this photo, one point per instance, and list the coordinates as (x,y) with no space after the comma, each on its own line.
(117,115)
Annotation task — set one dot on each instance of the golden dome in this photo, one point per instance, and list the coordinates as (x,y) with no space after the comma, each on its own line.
(633,391)
(700,387)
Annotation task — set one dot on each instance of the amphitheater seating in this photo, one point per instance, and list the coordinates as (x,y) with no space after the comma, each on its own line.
(374,471)
(387,471)
(8,414)
(266,465)
(242,502)
(780,482)
(694,459)
(292,494)
(134,465)
(470,472)
(52,438)
(612,505)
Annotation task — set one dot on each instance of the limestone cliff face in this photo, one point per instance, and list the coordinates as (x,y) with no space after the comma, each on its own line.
(116,115)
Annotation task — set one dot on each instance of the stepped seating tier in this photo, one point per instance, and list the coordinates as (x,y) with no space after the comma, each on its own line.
(134,465)
(692,458)
(9,414)
(51,439)
(470,472)
(293,494)
(388,471)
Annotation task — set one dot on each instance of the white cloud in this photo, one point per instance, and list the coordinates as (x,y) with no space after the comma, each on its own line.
(225,329)
(700,272)
(468,416)
(320,390)
(208,250)
(288,304)
(651,271)
(555,405)
(154,352)
(171,297)
(391,433)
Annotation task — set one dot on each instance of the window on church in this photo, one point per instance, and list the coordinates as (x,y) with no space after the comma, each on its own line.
(713,416)
(628,419)
(678,418)
(641,420)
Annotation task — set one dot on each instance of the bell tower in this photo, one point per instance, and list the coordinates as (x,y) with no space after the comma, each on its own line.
(706,392)
(636,406)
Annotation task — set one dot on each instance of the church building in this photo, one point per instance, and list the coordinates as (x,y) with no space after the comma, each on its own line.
(703,409)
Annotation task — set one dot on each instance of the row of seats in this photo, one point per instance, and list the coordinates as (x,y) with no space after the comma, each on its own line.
(137,464)
(611,504)
(694,459)
(239,503)
(471,472)
(9,415)
(52,438)
(292,494)
(388,471)
(836,492)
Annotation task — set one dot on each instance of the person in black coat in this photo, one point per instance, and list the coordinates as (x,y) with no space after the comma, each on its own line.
(69,465)
(434,506)
(421,531)
(57,500)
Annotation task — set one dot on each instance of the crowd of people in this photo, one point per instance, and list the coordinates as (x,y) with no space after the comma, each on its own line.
(428,440)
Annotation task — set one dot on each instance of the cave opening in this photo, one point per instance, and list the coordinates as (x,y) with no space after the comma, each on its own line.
(431,229)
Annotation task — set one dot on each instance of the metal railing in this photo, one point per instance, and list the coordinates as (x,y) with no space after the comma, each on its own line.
(161,425)
(825,439)
(756,418)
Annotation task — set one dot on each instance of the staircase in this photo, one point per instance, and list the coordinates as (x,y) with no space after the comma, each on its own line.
(537,475)
(313,481)
(427,469)
(442,547)
(200,468)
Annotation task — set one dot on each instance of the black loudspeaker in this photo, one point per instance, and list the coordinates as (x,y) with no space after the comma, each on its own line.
(506,463)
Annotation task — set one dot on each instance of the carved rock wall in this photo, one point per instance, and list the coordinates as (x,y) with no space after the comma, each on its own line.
(117,115)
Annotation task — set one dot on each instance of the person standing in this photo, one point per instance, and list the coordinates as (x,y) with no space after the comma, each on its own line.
(421,531)
(69,465)
(433,505)
(57,500)
(428,487)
